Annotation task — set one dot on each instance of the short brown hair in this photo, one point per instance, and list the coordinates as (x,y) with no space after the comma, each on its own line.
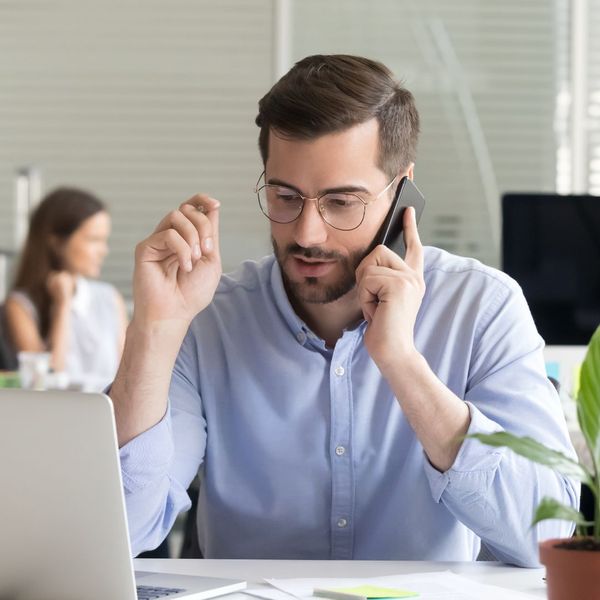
(328,93)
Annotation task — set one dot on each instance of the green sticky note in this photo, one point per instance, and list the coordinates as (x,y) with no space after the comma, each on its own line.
(376,592)
(9,379)
(576,381)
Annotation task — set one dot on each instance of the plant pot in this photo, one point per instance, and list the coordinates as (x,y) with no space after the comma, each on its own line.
(570,574)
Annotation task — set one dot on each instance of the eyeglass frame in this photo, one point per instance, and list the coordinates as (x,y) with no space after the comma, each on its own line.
(317,200)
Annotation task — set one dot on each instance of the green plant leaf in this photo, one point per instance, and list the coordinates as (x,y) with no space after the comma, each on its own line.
(529,448)
(588,399)
(549,508)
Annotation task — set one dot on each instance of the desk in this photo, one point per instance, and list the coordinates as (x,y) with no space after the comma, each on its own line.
(253,571)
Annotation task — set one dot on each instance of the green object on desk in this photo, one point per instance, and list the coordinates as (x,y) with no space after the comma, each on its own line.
(364,592)
(9,379)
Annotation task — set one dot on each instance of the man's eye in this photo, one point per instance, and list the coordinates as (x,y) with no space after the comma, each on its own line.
(341,201)
(286,196)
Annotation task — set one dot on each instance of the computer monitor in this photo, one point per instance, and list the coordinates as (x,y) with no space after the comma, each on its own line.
(551,246)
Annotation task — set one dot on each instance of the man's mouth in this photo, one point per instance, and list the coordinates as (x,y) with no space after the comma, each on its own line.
(312,267)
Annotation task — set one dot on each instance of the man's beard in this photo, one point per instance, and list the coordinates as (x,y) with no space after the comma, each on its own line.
(310,289)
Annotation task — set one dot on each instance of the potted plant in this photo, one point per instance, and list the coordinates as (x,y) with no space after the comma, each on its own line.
(572,564)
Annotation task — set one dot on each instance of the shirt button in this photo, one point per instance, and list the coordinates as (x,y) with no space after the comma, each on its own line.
(301,337)
(342,523)
(339,371)
(340,450)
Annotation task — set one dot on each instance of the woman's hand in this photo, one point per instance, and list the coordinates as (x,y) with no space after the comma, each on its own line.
(61,287)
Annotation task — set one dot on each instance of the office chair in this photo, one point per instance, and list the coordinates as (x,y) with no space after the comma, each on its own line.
(8,358)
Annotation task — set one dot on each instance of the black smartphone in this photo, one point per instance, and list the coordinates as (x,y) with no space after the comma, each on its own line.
(390,234)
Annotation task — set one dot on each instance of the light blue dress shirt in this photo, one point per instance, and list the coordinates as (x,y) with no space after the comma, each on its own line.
(304,452)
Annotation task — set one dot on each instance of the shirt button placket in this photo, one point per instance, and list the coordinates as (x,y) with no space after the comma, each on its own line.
(342,472)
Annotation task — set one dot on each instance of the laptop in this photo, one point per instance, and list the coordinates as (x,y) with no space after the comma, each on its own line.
(62,511)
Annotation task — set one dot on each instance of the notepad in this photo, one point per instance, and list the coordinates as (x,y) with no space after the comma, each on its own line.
(363,592)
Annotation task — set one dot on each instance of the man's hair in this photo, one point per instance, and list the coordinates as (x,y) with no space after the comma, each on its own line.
(330,93)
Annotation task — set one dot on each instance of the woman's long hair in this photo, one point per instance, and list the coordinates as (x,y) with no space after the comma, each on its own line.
(55,219)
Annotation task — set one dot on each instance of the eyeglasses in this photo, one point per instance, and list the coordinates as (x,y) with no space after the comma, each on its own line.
(340,210)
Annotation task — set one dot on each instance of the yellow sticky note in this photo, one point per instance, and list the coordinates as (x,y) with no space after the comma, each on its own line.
(576,380)
(371,592)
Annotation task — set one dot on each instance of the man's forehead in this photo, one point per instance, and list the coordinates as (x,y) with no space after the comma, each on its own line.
(354,151)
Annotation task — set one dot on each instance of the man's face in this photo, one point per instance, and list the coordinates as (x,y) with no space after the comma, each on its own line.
(318,262)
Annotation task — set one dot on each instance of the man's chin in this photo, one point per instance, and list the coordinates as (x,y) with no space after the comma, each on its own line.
(331,286)
(312,290)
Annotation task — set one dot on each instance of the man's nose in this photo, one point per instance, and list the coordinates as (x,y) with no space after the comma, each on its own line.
(309,228)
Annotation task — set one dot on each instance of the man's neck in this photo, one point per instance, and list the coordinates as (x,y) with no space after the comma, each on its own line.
(329,320)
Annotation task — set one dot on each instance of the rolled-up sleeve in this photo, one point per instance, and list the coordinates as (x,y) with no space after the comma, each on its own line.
(494,491)
(158,467)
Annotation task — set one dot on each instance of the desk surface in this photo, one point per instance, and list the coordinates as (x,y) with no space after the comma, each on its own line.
(253,571)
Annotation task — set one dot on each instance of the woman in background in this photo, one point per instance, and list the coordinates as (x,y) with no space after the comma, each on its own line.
(56,304)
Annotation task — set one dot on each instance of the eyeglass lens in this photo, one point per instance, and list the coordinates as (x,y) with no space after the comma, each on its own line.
(283,205)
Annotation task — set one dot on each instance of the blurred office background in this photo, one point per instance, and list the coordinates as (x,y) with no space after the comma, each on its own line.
(147,103)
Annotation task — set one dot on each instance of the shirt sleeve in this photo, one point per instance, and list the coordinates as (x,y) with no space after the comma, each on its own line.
(493,491)
(158,465)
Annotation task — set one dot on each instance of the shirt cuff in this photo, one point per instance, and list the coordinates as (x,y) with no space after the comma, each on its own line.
(475,465)
(147,457)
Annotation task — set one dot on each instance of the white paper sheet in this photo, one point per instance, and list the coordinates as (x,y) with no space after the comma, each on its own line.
(438,585)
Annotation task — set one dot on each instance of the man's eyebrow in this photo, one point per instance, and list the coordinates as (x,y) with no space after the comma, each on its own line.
(335,190)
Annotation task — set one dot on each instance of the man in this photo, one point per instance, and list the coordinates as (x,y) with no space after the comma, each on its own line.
(323,392)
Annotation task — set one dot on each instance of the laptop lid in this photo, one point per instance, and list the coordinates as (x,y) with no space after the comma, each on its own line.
(62,510)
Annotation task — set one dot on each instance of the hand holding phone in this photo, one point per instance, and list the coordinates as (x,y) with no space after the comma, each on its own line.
(390,234)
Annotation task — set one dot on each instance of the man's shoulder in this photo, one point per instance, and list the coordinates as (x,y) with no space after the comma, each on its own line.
(249,277)
(243,298)
(444,267)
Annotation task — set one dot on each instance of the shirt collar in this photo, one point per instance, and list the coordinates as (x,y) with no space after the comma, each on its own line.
(299,329)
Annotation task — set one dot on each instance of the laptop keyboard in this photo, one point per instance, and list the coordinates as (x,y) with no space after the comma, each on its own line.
(148,592)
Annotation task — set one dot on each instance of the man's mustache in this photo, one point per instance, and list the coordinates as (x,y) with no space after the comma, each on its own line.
(312,252)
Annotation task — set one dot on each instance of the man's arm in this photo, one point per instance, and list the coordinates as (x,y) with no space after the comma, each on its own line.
(177,270)
(438,417)
(492,492)
(158,467)
(390,291)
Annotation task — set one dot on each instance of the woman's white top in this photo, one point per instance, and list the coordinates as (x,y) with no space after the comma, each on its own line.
(93,349)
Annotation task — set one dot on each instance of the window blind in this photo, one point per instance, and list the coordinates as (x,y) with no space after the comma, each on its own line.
(143,103)
(485,79)
(146,103)
(593,98)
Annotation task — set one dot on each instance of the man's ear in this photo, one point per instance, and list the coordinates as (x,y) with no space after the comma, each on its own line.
(410,171)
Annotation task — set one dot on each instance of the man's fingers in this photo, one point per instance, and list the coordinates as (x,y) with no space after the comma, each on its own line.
(163,245)
(203,212)
(179,222)
(197,222)
(381,256)
(414,248)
